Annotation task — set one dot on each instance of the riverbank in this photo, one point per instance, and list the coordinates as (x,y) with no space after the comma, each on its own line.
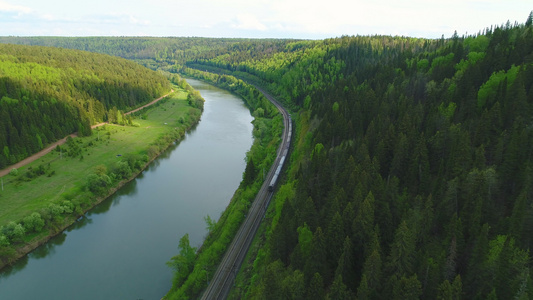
(59,187)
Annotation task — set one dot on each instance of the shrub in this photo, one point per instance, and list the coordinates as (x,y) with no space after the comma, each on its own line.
(97,184)
(122,169)
(33,222)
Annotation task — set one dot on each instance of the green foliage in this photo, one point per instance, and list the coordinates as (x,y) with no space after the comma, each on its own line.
(396,119)
(305,236)
(121,169)
(496,86)
(196,100)
(98,184)
(47,93)
(422,65)
(210,223)
(250,173)
(448,111)
(451,291)
(259,113)
(4,241)
(335,107)
(441,65)
(183,263)
(477,43)
(13,231)
(33,222)
(407,288)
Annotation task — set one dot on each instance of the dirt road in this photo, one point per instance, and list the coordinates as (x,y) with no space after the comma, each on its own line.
(51,147)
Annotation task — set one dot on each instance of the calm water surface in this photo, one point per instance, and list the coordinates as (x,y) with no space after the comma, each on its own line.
(119,250)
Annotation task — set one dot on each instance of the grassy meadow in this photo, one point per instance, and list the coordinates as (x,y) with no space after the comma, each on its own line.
(65,177)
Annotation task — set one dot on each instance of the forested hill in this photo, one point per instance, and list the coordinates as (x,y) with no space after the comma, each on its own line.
(413,173)
(153,52)
(47,93)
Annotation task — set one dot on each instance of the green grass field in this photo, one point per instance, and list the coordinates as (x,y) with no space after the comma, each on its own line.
(107,145)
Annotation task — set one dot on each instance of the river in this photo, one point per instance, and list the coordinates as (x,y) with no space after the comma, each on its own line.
(119,250)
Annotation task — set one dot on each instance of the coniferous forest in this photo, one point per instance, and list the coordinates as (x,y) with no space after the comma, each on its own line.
(411,174)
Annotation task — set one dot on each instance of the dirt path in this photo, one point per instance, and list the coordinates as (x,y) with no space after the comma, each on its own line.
(151,103)
(51,147)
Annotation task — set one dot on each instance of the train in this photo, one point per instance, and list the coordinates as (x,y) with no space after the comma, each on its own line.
(282,159)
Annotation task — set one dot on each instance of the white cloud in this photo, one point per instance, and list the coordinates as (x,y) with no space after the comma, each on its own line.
(258,18)
(423,18)
(249,22)
(122,19)
(7,7)
(134,20)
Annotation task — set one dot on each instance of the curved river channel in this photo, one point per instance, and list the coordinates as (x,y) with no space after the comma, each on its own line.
(119,250)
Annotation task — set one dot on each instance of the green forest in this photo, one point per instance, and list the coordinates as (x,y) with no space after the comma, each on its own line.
(411,173)
(48,93)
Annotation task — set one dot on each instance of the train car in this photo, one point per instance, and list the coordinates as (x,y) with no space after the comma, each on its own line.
(282,160)
(276,174)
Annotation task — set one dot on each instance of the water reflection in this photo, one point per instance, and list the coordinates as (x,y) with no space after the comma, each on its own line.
(130,188)
(18,266)
(49,247)
(40,252)
(80,223)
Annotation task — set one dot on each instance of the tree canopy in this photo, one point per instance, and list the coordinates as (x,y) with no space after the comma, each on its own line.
(47,93)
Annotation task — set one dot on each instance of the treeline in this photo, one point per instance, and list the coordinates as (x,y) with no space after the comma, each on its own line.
(412,175)
(155,52)
(47,93)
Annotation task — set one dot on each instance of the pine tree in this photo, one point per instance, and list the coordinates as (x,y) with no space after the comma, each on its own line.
(529,21)
(345,266)
(316,288)
(372,269)
(249,172)
(334,239)
(401,258)
(272,280)
(451,291)
(407,288)
(363,291)
(316,262)
(338,290)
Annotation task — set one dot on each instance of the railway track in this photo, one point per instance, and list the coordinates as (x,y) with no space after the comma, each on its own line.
(224,276)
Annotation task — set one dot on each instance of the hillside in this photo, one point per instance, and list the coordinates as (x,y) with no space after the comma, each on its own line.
(153,52)
(412,174)
(47,93)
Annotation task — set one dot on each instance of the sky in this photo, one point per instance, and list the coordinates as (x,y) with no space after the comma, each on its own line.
(300,19)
